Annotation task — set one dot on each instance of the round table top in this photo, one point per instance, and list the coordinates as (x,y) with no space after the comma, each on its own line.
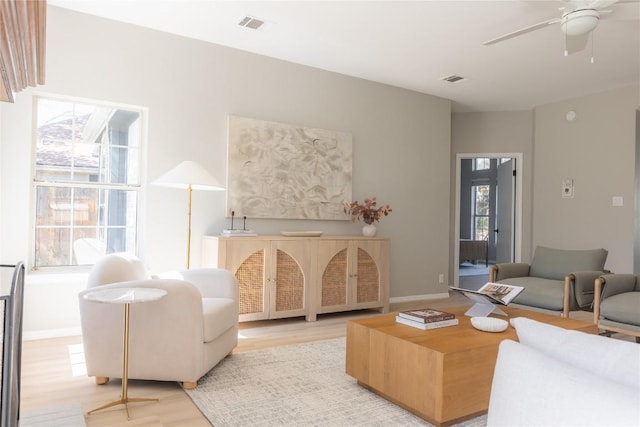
(125,295)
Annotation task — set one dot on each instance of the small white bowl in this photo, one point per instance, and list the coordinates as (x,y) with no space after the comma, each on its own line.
(489,324)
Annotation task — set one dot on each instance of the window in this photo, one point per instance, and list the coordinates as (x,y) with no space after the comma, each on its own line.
(480,211)
(86,181)
(481,163)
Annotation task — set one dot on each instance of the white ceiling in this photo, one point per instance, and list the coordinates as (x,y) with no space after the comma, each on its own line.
(412,44)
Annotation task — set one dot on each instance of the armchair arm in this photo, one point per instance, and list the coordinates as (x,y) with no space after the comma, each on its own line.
(583,284)
(507,270)
(213,282)
(615,284)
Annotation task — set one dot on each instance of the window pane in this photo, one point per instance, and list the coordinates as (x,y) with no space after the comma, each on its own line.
(52,246)
(87,143)
(481,163)
(480,206)
(481,227)
(481,199)
(74,225)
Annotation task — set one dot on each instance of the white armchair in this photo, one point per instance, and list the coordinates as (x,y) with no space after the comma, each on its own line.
(177,338)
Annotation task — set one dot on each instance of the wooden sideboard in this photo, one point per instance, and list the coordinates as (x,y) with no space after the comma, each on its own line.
(284,276)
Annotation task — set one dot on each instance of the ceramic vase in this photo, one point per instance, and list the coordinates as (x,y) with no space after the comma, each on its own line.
(369,230)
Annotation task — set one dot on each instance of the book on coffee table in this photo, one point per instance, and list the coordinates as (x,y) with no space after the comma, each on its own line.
(497,293)
(426,315)
(426,326)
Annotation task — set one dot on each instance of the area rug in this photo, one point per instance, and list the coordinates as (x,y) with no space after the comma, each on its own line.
(468,269)
(295,385)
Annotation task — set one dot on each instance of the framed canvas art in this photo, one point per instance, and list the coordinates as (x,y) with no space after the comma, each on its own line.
(276,170)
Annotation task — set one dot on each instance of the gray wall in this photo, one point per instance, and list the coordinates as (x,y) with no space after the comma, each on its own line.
(401,147)
(597,151)
(494,133)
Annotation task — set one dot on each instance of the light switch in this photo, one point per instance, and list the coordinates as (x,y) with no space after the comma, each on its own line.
(617,201)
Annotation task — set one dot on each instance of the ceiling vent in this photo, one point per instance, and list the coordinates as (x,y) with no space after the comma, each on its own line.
(250,22)
(453,78)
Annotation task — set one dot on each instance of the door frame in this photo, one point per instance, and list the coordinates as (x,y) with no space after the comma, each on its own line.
(517,231)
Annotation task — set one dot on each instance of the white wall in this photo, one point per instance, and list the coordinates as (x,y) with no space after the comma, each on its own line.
(401,147)
(597,151)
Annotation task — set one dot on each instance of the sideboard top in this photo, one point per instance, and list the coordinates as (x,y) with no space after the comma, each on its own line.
(280,237)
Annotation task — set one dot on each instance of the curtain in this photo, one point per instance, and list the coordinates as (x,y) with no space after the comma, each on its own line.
(22,45)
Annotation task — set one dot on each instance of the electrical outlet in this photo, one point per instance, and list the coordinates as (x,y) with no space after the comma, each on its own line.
(441,278)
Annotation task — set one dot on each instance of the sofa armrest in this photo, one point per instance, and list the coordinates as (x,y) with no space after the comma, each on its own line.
(532,388)
(507,270)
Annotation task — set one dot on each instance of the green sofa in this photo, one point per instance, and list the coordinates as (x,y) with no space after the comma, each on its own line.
(557,280)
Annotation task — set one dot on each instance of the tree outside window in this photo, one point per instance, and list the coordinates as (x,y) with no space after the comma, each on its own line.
(87,181)
(480,213)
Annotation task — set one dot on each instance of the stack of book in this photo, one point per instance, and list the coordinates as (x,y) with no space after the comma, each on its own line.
(426,318)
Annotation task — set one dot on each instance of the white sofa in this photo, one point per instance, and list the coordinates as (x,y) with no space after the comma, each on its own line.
(556,377)
(177,338)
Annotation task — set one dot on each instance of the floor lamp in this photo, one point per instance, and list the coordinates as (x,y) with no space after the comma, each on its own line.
(190,176)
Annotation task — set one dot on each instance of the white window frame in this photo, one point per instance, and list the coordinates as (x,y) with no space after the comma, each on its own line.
(139,187)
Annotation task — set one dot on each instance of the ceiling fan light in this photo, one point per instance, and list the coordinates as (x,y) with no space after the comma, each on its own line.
(579,22)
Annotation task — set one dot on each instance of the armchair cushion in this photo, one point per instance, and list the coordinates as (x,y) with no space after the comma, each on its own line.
(542,293)
(550,263)
(220,314)
(117,267)
(622,308)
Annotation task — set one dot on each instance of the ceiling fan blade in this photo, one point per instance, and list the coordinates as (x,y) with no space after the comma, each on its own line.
(576,43)
(623,11)
(601,4)
(522,31)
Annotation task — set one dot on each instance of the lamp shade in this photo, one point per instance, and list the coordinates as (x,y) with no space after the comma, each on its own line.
(189,173)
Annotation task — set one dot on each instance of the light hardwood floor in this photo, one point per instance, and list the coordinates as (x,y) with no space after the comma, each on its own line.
(48,380)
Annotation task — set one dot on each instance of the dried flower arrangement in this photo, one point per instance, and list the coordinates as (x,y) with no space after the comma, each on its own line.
(369,212)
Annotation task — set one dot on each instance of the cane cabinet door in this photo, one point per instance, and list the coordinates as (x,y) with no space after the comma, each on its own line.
(288,278)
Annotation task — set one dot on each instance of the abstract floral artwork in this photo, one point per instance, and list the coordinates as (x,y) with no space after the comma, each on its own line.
(277,170)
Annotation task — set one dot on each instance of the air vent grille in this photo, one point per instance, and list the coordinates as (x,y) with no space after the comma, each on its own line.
(453,78)
(250,22)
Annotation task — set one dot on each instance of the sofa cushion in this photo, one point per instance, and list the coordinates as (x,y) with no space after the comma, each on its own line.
(531,388)
(623,308)
(542,293)
(613,359)
(550,263)
(219,314)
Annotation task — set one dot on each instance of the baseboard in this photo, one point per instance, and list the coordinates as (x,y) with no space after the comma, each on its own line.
(412,298)
(51,333)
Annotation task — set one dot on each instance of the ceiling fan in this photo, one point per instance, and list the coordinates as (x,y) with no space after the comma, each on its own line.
(579,18)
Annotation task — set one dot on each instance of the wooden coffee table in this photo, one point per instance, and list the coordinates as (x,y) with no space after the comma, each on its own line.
(442,375)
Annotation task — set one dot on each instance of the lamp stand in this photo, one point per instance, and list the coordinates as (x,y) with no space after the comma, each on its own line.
(189,190)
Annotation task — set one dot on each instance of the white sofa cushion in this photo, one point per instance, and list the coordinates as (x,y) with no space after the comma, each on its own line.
(219,314)
(610,358)
(531,388)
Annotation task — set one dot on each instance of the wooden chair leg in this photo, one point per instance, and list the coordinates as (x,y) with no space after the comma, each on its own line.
(101,380)
(188,385)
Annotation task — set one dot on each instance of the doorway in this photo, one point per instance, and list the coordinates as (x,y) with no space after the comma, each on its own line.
(487,215)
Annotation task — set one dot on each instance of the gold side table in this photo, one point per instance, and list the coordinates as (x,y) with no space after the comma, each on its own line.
(126,296)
